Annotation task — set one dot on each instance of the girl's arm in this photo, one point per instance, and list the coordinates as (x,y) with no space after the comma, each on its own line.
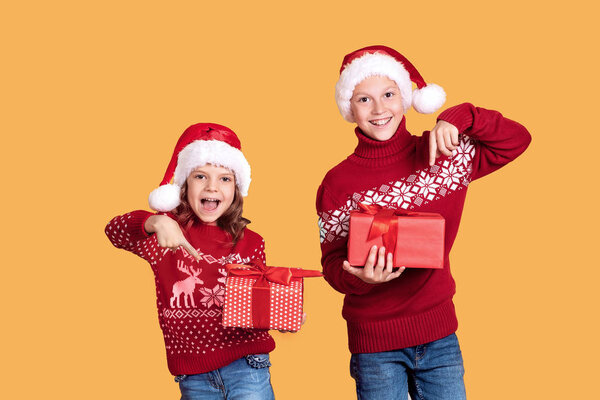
(135,232)
(127,232)
(168,233)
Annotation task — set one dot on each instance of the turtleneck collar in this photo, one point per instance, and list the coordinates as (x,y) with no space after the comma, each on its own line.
(373,152)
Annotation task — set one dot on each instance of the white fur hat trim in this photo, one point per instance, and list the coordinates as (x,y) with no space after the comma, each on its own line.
(371,64)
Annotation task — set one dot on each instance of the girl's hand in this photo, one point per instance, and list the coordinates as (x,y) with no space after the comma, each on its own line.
(169,234)
(301,323)
(443,139)
(372,272)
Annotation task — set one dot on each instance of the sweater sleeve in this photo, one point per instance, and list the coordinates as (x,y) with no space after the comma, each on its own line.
(497,140)
(127,232)
(332,218)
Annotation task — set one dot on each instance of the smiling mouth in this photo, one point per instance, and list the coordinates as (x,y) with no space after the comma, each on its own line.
(210,204)
(380,122)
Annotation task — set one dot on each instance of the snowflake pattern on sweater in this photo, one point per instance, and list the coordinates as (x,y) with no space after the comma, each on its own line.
(417,189)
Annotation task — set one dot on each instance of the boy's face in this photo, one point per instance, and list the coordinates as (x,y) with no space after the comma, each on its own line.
(377,108)
(210,192)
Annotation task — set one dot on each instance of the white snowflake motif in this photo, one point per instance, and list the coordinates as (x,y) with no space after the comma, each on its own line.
(427,185)
(231,259)
(464,153)
(338,222)
(402,195)
(373,197)
(213,296)
(451,176)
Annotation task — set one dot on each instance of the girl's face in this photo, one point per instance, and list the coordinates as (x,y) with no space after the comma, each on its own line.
(210,192)
(377,108)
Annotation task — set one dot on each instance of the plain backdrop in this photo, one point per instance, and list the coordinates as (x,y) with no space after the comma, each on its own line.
(95,94)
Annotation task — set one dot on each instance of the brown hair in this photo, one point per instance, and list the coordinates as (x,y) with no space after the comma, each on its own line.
(231,221)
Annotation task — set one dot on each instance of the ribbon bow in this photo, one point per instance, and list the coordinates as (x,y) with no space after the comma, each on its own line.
(280,275)
(261,291)
(385,223)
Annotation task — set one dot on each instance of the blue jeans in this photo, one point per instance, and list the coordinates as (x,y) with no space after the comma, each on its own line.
(428,371)
(245,378)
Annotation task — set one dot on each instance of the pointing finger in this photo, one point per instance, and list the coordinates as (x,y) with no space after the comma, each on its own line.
(186,245)
(432,148)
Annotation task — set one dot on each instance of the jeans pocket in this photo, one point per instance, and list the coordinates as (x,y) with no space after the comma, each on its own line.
(258,360)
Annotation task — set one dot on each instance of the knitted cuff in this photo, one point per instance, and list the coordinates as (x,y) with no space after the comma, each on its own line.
(136,221)
(460,116)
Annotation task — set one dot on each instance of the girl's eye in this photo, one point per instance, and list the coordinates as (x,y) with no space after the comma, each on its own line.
(226,179)
(199,176)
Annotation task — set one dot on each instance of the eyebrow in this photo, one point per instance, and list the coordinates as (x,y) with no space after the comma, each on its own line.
(385,90)
(200,170)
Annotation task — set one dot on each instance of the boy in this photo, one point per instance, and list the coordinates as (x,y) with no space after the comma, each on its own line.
(401,323)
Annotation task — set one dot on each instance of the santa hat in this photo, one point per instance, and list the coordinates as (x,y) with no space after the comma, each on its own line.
(200,144)
(384,61)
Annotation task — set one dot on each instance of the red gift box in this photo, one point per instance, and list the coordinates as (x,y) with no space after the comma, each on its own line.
(261,297)
(415,238)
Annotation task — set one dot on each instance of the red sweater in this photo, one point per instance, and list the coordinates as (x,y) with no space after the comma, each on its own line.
(189,294)
(417,307)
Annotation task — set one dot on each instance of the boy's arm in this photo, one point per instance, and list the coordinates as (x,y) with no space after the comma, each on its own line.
(334,252)
(127,232)
(498,140)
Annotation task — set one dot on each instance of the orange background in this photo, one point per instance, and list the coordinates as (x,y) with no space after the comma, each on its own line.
(95,94)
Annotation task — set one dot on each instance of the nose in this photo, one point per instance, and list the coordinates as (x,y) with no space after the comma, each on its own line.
(211,184)
(377,107)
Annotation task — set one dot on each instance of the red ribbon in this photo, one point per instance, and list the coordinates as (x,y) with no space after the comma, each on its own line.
(385,224)
(261,291)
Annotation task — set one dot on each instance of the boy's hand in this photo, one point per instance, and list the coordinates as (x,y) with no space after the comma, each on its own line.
(301,323)
(375,272)
(169,234)
(443,139)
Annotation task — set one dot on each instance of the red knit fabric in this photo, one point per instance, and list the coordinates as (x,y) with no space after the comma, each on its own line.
(417,307)
(190,311)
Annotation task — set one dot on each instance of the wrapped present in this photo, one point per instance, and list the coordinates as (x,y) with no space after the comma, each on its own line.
(416,239)
(261,297)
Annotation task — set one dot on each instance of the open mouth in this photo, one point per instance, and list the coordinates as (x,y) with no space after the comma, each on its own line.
(380,122)
(210,204)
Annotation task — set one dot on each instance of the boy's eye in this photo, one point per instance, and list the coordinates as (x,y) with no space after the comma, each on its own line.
(363,99)
(199,176)
(389,94)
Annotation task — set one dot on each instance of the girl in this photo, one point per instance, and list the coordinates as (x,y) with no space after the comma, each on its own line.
(198,230)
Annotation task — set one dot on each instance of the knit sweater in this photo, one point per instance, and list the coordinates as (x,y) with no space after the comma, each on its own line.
(189,293)
(417,307)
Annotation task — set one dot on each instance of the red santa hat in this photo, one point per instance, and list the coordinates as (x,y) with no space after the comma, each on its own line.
(385,61)
(200,144)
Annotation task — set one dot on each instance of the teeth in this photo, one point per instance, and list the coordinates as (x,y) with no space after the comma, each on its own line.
(380,122)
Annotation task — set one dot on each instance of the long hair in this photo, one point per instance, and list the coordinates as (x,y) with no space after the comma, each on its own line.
(231,221)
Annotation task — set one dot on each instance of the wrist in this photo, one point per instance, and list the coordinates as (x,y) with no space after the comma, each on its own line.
(460,116)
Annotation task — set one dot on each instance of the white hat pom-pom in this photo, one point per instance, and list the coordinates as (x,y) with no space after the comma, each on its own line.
(429,99)
(165,198)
